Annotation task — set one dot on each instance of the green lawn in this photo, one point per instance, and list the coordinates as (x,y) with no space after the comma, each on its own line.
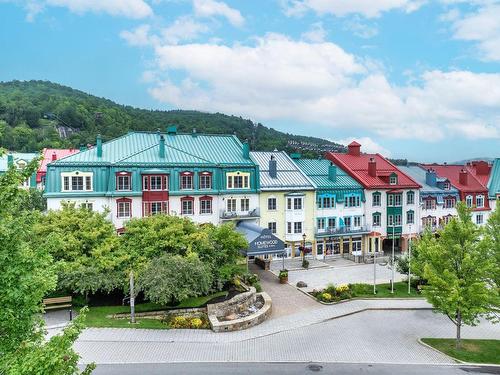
(384,291)
(474,351)
(96,317)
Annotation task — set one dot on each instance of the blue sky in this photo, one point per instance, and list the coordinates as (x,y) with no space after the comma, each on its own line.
(408,78)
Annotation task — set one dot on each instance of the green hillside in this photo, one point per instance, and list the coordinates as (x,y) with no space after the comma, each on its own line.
(37,114)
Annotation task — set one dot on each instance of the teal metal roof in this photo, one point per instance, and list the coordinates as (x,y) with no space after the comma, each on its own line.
(494,182)
(143,148)
(18,156)
(317,171)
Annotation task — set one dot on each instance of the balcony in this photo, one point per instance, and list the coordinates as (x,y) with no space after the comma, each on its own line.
(342,231)
(239,215)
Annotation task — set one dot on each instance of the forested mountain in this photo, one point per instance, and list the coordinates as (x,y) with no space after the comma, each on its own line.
(37,114)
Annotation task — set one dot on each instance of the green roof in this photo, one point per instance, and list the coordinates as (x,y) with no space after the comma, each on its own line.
(18,156)
(139,148)
(317,171)
(494,182)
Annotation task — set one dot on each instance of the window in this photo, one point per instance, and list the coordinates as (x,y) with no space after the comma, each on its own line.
(376,219)
(393,180)
(468,201)
(429,221)
(155,182)
(410,217)
(289,227)
(331,222)
(77,181)
(272,227)
(390,220)
(124,208)
(186,181)
(297,203)
(271,204)
(397,200)
(205,181)
(479,201)
(447,219)
(479,219)
(347,222)
(327,202)
(357,221)
(410,197)
(397,218)
(297,227)
(87,205)
(390,200)
(187,206)
(321,223)
(376,199)
(245,204)
(123,181)
(430,204)
(205,206)
(231,205)
(449,202)
(447,186)
(353,201)
(238,180)
(155,208)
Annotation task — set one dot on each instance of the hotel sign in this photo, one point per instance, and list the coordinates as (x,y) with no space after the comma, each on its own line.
(265,243)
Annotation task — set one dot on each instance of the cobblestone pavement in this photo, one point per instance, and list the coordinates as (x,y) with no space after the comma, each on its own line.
(366,337)
(319,278)
(286,299)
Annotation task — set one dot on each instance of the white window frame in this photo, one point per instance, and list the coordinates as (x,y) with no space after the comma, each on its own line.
(205,181)
(186,182)
(393,180)
(186,210)
(204,208)
(123,213)
(481,197)
(479,219)
(379,196)
(272,226)
(408,195)
(120,186)
(297,227)
(272,204)
(245,204)
(231,205)
(87,181)
(469,201)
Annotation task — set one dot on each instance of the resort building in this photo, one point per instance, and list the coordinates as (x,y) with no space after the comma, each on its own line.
(208,178)
(340,226)
(438,198)
(392,197)
(494,185)
(20,160)
(471,190)
(50,155)
(286,200)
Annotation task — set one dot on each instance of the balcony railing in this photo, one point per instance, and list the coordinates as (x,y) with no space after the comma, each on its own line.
(337,231)
(239,215)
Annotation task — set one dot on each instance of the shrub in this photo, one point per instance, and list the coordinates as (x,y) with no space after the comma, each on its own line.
(361,289)
(196,323)
(342,288)
(305,263)
(258,287)
(325,297)
(179,322)
(283,273)
(330,289)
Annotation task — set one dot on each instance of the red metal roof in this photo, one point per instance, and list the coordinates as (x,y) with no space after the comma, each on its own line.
(48,158)
(481,170)
(452,172)
(354,143)
(357,167)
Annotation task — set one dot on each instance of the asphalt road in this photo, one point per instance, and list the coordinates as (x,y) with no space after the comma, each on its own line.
(289,369)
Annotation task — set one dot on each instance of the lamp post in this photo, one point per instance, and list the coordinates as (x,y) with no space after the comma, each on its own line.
(374,270)
(393,235)
(132,298)
(303,248)
(409,262)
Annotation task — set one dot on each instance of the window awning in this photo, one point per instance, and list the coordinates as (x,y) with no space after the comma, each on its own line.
(261,241)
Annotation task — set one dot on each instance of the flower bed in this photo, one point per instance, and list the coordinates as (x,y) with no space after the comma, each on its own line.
(333,293)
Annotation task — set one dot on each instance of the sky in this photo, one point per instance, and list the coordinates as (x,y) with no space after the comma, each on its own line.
(417,79)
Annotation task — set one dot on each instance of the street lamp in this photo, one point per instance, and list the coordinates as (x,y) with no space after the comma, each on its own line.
(393,235)
(303,248)
(409,262)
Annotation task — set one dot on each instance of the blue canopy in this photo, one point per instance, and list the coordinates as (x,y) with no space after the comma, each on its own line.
(261,241)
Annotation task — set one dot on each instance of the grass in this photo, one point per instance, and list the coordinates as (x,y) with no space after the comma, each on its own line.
(474,351)
(97,316)
(384,291)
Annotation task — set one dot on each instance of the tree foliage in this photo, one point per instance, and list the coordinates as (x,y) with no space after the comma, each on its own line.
(458,269)
(173,278)
(492,235)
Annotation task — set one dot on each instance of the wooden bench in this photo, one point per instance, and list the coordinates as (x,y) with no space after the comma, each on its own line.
(57,303)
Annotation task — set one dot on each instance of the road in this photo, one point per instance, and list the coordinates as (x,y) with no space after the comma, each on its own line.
(289,369)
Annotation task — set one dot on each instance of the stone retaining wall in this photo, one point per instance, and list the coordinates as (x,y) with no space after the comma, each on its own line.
(238,303)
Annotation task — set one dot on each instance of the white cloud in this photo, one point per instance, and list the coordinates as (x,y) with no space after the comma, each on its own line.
(341,8)
(183,29)
(483,27)
(135,9)
(316,34)
(368,145)
(278,78)
(360,28)
(138,36)
(210,8)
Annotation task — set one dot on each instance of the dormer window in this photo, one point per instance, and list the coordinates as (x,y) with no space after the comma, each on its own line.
(238,180)
(186,181)
(393,179)
(205,180)
(447,185)
(77,181)
(468,201)
(123,181)
(480,201)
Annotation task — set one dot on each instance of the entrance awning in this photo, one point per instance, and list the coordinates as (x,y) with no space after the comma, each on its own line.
(261,241)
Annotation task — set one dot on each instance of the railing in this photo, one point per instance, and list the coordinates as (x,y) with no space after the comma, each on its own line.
(239,215)
(343,230)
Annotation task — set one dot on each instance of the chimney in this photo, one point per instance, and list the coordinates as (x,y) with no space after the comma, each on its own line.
(372,167)
(462,177)
(354,148)
(10,160)
(246,150)
(273,167)
(430,177)
(162,147)
(99,146)
(482,168)
(54,156)
(194,134)
(332,172)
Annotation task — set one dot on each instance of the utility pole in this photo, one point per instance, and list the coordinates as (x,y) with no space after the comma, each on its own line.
(132,298)
(374,270)
(393,234)
(409,263)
